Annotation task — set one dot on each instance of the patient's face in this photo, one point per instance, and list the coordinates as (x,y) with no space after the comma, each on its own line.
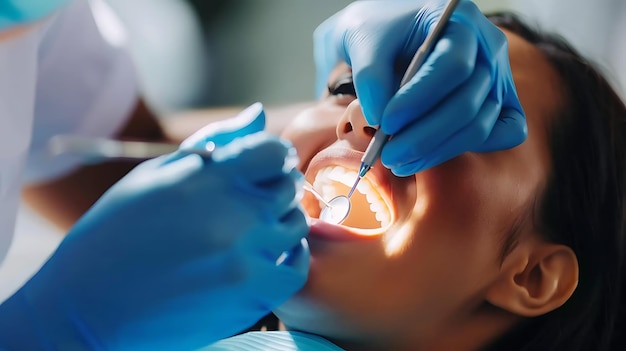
(418,252)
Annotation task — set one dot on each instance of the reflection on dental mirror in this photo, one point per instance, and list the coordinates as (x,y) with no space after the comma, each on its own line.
(336,210)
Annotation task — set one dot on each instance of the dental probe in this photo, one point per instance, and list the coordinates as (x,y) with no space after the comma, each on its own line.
(374,148)
(100,149)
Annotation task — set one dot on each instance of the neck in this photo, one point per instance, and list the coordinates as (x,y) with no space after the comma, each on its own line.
(475,332)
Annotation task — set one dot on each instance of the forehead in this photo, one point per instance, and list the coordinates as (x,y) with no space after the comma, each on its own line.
(536,81)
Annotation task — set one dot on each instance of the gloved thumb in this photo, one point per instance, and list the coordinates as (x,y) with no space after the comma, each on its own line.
(509,131)
(249,121)
(297,260)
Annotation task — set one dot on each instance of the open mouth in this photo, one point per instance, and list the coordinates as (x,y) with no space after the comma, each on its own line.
(370,208)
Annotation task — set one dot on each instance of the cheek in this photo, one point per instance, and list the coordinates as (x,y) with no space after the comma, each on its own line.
(463,212)
(313,130)
(458,197)
(441,257)
(477,193)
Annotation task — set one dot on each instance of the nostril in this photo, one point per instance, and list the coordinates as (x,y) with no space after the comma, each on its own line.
(347,128)
(369,131)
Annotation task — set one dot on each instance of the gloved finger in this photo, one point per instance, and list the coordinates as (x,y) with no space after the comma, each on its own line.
(248,121)
(158,161)
(450,64)
(374,82)
(280,236)
(166,160)
(276,197)
(509,131)
(295,267)
(256,158)
(168,169)
(422,137)
(298,258)
(510,101)
(287,277)
(494,50)
(373,58)
(464,140)
(375,45)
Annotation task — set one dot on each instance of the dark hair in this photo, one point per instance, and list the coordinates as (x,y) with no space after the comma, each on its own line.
(583,204)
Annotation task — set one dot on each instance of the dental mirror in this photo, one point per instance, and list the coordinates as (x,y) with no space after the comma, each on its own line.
(336,210)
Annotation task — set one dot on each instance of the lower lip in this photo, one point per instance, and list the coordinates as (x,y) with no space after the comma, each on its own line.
(327,231)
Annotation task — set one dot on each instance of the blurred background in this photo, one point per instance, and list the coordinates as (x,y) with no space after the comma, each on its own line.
(235,52)
(207,53)
(203,53)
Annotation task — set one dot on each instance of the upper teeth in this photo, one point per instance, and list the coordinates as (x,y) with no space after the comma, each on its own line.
(324,184)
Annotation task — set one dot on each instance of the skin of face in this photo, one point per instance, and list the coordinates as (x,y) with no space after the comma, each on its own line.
(424,278)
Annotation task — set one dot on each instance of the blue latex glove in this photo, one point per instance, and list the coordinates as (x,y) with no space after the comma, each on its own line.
(462,99)
(20,12)
(181,252)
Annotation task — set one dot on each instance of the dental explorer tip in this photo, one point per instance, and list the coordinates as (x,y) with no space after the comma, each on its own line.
(362,171)
(358,179)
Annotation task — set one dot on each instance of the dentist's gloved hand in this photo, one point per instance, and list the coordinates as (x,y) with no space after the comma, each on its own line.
(181,252)
(21,12)
(462,99)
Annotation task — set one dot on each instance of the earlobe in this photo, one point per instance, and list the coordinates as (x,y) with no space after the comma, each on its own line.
(535,281)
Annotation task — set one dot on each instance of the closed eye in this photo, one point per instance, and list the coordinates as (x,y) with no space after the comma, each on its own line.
(344,85)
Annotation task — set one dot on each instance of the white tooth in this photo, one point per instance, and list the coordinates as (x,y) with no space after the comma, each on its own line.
(317,181)
(382,217)
(376,207)
(384,223)
(379,210)
(322,176)
(336,173)
(317,184)
(379,216)
(328,191)
(326,173)
(371,197)
(364,188)
(319,178)
(375,199)
(343,176)
(350,178)
(387,215)
(325,183)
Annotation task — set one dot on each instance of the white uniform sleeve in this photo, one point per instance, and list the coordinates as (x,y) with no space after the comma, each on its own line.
(18,67)
(86,86)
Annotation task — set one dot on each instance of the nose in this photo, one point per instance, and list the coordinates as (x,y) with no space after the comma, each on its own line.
(353,128)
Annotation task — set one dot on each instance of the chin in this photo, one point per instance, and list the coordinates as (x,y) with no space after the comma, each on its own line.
(300,314)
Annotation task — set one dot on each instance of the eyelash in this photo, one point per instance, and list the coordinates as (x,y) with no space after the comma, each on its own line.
(343,86)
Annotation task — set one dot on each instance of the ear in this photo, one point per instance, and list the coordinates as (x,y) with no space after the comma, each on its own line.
(537,278)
